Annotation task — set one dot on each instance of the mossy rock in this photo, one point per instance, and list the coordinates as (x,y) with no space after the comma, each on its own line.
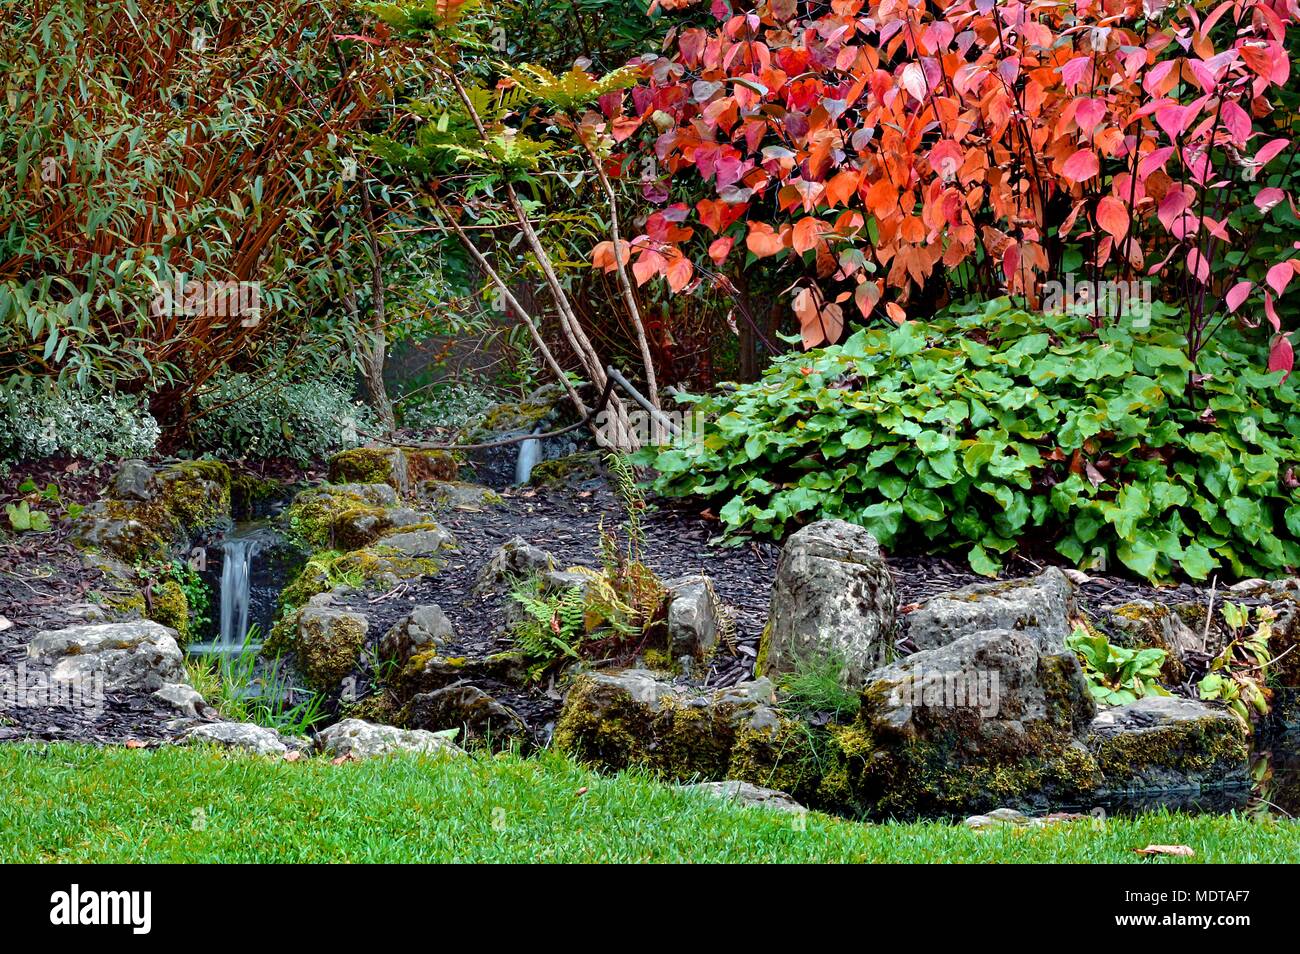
(989,720)
(425,465)
(197,493)
(328,645)
(789,755)
(459,495)
(250,494)
(1142,625)
(370,465)
(431,670)
(512,417)
(633,718)
(313,517)
(171,607)
(178,504)
(575,470)
(1167,743)
(400,468)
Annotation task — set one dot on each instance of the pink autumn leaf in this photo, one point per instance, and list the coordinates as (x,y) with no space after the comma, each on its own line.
(1080,166)
(1199,266)
(1237,294)
(1270,310)
(1279,276)
(1282,356)
(1270,149)
(1076,71)
(1267,198)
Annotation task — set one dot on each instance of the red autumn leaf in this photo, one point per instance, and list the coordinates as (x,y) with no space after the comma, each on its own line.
(1282,356)
(806,234)
(1112,215)
(763,240)
(721,248)
(1081,166)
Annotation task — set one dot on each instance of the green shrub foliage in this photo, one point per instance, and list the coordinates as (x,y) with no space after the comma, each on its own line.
(989,429)
(271,413)
(40,420)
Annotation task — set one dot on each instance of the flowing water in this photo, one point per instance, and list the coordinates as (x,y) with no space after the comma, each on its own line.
(236,574)
(530,452)
(246,591)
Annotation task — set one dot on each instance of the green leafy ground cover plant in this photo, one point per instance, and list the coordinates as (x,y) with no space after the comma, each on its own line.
(990,427)
(1117,675)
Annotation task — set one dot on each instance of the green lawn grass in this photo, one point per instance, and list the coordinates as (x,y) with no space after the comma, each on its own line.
(76,803)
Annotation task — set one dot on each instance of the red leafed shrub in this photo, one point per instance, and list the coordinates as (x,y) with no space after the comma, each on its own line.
(888,153)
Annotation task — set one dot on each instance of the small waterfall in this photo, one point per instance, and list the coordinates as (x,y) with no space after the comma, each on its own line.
(530,452)
(236,593)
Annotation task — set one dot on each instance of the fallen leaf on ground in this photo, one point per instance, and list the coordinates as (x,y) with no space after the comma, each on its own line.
(292,756)
(134,744)
(580,792)
(1176,851)
(5,624)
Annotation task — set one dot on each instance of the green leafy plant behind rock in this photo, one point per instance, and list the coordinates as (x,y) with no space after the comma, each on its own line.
(1238,675)
(991,426)
(1117,675)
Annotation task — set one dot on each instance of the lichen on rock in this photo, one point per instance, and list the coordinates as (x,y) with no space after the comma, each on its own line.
(1166,743)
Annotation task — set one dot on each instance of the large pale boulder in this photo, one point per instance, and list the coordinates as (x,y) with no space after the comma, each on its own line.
(1039,606)
(138,656)
(833,597)
(242,735)
(354,738)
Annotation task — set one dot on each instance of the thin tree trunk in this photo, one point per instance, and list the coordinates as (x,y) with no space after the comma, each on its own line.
(376,349)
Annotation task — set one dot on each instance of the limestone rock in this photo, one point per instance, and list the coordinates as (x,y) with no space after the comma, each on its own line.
(694,621)
(989,716)
(833,597)
(359,527)
(425,628)
(634,718)
(242,735)
(353,738)
(744,793)
(455,495)
(514,559)
(1040,606)
(135,481)
(138,656)
(1168,743)
(1141,624)
(423,543)
(184,698)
